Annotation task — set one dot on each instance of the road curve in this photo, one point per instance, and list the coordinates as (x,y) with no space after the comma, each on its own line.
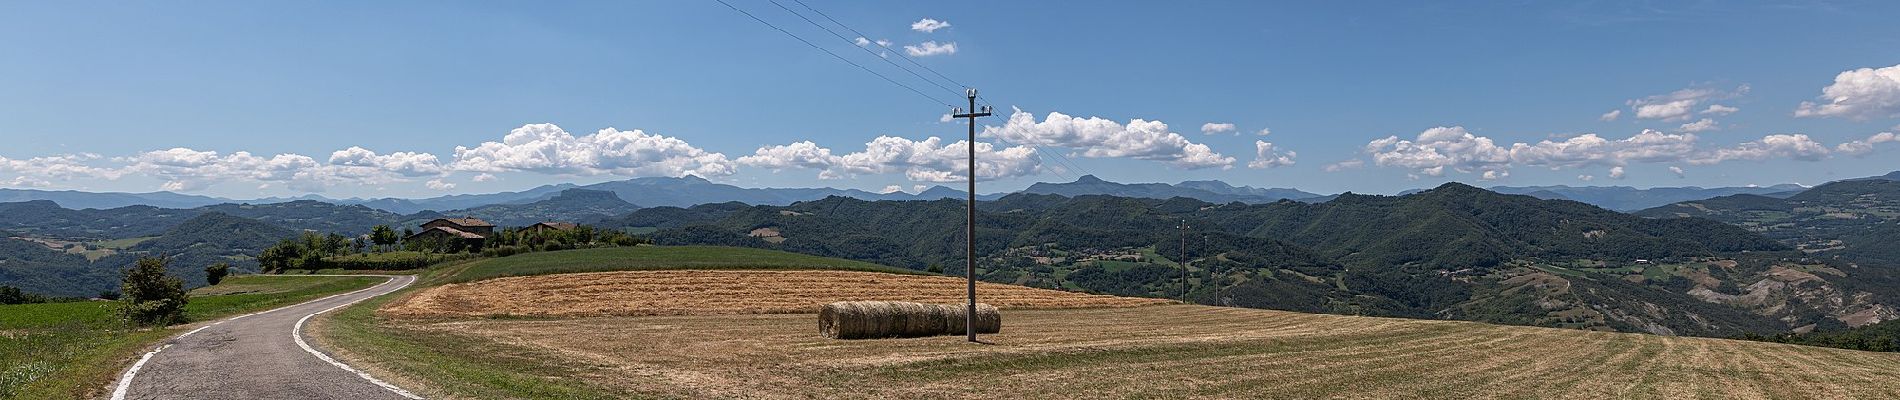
(257,356)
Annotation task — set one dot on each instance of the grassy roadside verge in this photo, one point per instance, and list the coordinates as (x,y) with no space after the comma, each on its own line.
(461,366)
(71,350)
(446,364)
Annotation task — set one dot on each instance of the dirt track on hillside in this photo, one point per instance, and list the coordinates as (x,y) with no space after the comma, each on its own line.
(718,292)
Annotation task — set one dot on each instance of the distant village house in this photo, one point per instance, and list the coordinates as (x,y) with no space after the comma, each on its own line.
(552,226)
(472,231)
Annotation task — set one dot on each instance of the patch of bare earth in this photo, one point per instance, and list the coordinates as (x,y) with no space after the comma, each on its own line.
(703,292)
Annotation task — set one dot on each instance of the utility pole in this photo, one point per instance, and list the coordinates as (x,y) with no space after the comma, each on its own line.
(1213,270)
(969,250)
(1184,278)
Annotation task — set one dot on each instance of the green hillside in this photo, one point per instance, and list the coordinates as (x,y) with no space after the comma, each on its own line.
(1455,252)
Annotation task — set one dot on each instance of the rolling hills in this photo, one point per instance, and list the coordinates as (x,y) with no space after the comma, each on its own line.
(572,350)
(1455,252)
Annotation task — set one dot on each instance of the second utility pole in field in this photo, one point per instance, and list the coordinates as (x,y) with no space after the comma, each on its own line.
(1184,278)
(969,251)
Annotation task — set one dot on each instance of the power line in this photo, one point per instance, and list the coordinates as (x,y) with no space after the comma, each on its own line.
(853,43)
(893,51)
(1063,162)
(833,55)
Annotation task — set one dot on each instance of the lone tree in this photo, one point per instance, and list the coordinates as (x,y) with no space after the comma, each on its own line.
(383,237)
(149,296)
(216,273)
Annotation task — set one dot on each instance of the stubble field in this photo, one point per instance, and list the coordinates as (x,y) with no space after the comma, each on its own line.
(705,292)
(723,334)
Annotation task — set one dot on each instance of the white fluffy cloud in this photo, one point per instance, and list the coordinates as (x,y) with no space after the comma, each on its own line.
(1266,156)
(185,169)
(1864,146)
(1345,165)
(1439,149)
(1860,94)
(1703,125)
(1678,171)
(1680,104)
(796,155)
(1793,146)
(1214,128)
(928,25)
(928,160)
(485,177)
(1102,138)
(1610,116)
(1718,109)
(1263,132)
(891,189)
(37,171)
(930,48)
(438,184)
(402,163)
(545,148)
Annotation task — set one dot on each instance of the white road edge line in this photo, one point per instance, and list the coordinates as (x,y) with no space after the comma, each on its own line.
(125,380)
(296,333)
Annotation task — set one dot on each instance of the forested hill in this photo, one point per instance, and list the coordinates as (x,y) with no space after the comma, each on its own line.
(1853,219)
(1456,225)
(1455,251)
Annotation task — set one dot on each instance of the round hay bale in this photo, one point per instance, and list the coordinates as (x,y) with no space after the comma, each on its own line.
(888,319)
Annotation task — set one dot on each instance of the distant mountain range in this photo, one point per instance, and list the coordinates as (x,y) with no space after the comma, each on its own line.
(692,190)
(1624,198)
(1208,191)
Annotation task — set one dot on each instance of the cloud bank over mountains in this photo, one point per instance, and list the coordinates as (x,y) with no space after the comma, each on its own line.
(1020,146)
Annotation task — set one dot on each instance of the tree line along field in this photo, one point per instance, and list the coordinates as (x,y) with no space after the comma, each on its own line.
(1164,351)
(73,349)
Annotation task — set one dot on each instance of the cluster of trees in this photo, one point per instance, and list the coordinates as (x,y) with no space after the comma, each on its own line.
(13,295)
(379,248)
(307,251)
(1883,336)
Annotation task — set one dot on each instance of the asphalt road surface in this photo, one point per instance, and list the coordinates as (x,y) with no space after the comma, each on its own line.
(257,356)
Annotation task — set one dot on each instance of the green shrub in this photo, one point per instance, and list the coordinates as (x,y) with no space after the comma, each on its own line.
(150,297)
(216,273)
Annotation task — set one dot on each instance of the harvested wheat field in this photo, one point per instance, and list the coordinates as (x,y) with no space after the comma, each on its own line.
(707,292)
(1174,351)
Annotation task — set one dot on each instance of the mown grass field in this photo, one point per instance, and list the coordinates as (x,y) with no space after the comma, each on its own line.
(1178,351)
(71,350)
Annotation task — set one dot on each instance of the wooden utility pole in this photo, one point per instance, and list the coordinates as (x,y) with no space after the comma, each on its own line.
(1184,278)
(1213,270)
(969,250)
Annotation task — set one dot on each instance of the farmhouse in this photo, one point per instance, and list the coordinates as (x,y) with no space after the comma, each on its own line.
(467,229)
(551,226)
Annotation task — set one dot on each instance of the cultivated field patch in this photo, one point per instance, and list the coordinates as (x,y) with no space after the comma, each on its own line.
(1175,351)
(715,292)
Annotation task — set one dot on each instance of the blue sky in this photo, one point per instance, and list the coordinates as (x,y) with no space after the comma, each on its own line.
(250,99)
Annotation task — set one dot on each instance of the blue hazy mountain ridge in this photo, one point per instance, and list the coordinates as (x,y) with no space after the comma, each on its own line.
(690,190)
(571,205)
(1624,198)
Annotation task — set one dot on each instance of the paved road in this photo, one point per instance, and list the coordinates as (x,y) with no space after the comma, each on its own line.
(257,356)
